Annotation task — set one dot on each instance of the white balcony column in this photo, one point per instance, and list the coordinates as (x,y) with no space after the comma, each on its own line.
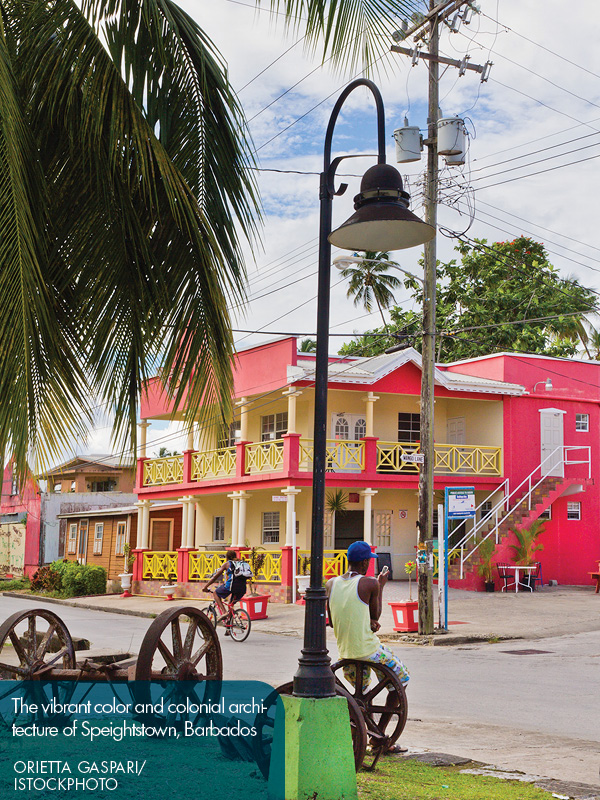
(241,537)
(184,519)
(143,524)
(242,404)
(290,492)
(191,521)
(198,524)
(235,517)
(370,400)
(368,495)
(190,438)
(291,393)
(143,426)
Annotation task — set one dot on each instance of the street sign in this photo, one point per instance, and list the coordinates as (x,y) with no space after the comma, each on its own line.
(279,498)
(413,458)
(460,502)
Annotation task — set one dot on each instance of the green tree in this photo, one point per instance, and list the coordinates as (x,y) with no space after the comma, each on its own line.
(482,299)
(308,345)
(369,282)
(126,189)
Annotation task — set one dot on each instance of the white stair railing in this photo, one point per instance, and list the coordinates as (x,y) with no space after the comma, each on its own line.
(503,507)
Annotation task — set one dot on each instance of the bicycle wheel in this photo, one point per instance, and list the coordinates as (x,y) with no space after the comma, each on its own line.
(211,613)
(240,625)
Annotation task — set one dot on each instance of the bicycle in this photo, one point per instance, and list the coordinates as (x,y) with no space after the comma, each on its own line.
(237,622)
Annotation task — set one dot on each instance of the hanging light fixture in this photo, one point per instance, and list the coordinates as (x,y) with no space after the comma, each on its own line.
(382,220)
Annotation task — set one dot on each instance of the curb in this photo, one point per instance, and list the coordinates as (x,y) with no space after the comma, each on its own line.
(88,606)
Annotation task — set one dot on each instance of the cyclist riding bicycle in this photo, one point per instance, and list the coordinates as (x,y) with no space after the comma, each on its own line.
(233,588)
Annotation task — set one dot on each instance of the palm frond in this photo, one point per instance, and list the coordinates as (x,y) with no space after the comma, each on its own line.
(352,33)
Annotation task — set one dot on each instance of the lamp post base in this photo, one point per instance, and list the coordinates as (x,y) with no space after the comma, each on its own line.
(312,744)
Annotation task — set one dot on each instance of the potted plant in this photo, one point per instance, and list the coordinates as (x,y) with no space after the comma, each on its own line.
(406,613)
(254,603)
(526,548)
(336,503)
(127,574)
(303,576)
(485,568)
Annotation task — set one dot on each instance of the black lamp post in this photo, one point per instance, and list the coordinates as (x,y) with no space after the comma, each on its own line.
(381,222)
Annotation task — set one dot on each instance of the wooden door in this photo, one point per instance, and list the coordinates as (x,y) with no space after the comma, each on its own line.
(160,534)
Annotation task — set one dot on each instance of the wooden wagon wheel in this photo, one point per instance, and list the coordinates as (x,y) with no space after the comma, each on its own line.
(180,645)
(32,634)
(383,703)
(265,724)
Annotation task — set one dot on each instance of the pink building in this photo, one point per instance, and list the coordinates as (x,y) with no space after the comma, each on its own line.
(499,421)
(20,514)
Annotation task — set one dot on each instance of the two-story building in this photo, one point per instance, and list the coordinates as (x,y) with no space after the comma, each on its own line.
(500,421)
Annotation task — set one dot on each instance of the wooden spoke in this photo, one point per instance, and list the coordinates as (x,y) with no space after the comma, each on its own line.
(201,652)
(383,683)
(188,645)
(176,636)
(13,668)
(19,649)
(45,643)
(166,654)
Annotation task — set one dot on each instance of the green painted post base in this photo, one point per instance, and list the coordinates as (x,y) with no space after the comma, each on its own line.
(313,738)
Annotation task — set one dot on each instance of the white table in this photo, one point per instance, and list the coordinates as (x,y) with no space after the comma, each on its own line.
(517,568)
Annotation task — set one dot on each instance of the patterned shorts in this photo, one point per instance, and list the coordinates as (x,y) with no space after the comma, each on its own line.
(383,655)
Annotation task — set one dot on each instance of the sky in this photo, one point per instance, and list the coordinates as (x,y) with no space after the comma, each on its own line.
(529,125)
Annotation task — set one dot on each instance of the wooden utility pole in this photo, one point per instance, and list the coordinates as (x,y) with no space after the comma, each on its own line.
(430,24)
(426,475)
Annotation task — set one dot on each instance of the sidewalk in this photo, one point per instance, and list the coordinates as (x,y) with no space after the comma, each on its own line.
(473,616)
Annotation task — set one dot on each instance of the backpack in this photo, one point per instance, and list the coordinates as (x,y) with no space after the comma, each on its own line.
(241,569)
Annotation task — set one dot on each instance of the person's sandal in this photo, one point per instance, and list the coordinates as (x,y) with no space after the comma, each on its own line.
(395,749)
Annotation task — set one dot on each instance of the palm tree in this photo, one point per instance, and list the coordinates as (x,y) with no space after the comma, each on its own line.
(126,189)
(369,281)
(308,345)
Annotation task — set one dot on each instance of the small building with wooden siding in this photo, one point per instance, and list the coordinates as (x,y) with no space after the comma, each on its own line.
(98,536)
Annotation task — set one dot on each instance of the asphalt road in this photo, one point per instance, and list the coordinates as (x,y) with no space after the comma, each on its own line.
(537,712)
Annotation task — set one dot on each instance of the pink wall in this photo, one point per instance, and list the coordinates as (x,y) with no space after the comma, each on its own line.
(27,502)
(260,369)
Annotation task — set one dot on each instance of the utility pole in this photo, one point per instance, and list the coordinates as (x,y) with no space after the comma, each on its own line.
(438,11)
(426,476)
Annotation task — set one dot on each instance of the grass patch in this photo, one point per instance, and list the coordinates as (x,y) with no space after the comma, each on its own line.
(15,584)
(407,779)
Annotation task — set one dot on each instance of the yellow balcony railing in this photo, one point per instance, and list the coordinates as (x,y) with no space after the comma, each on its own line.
(467,459)
(452,556)
(270,570)
(159,471)
(341,455)
(334,563)
(450,459)
(264,457)
(159,565)
(389,457)
(203,565)
(213,464)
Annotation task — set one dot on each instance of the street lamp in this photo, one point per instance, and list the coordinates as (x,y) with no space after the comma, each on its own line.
(383,222)
(317,757)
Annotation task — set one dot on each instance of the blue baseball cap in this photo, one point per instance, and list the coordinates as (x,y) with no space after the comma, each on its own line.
(359,551)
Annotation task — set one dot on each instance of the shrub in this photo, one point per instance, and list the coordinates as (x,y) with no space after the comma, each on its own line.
(80,579)
(46,579)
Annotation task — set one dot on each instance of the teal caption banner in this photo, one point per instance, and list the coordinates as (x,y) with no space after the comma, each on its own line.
(138,740)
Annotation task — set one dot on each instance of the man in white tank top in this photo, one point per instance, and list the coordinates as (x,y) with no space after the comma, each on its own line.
(354,603)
